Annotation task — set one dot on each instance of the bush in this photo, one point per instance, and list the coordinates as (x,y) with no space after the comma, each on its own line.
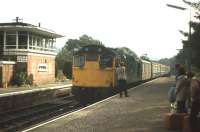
(22,78)
(60,76)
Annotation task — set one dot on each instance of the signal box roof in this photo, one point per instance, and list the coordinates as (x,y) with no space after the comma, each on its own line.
(20,26)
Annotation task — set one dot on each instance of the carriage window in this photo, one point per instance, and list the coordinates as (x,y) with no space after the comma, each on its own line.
(79,61)
(106,61)
(91,57)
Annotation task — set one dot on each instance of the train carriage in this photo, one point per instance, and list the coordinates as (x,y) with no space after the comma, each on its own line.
(146,70)
(164,70)
(155,69)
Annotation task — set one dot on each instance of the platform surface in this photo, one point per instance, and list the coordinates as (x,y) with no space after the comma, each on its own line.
(142,111)
(26,89)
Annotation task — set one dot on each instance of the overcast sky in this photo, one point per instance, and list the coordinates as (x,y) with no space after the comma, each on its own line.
(144,26)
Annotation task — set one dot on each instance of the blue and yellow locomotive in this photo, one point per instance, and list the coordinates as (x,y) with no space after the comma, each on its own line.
(94,71)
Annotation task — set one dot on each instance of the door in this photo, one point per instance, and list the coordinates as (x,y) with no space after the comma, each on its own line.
(1,74)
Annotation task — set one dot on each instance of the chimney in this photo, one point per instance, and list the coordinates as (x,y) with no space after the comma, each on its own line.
(17,19)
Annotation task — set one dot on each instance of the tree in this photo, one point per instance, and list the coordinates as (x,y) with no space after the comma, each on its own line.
(67,69)
(64,56)
(165,61)
(125,51)
(194,43)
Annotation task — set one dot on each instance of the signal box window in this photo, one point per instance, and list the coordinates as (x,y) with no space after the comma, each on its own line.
(106,61)
(11,39)
(1,40)
(79,61)
(22,40)
(91,57)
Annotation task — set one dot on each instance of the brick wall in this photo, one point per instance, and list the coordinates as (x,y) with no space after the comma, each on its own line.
(6,74)
(42,68)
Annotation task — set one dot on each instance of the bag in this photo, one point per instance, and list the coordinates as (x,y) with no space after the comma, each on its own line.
(174,121)
(172,94)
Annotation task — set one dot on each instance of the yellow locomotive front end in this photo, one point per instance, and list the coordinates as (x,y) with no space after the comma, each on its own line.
(90,74)
(93,72)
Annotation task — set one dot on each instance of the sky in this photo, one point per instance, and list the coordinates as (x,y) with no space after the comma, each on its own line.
(145,26)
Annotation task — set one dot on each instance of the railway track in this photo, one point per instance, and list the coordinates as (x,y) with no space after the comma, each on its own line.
(25,118)
(18,120)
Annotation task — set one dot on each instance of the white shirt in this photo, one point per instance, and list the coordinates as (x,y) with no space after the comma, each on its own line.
(121,73)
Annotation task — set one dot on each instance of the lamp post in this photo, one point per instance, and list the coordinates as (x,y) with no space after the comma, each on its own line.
(188,46)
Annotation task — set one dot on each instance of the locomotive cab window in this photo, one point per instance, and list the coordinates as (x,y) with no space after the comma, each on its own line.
(106,61)
(79,60)
(92,57)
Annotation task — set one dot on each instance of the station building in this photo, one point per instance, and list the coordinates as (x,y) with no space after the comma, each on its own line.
(30,48)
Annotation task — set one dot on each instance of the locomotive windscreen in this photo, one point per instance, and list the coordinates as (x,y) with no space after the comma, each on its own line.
(106,61)
(79,60)
(92,57)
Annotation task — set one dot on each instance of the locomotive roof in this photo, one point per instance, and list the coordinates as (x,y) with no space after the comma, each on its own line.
(146,61)
(96,49)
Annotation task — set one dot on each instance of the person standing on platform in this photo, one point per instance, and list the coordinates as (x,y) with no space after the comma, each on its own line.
(172,90)
(182,91)
(195,102)
(121,76)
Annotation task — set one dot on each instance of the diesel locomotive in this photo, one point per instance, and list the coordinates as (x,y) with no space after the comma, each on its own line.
(94,71)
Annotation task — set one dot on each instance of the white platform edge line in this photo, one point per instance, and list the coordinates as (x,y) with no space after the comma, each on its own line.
(42,124)
(35,90)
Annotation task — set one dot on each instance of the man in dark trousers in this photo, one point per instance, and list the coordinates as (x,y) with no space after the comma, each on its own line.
(121,76)
(195,102)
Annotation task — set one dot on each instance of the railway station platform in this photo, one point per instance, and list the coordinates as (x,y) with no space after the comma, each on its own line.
(16,98)
(22,89)
(142,111)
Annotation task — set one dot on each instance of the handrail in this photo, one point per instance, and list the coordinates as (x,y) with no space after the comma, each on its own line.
(30,47)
